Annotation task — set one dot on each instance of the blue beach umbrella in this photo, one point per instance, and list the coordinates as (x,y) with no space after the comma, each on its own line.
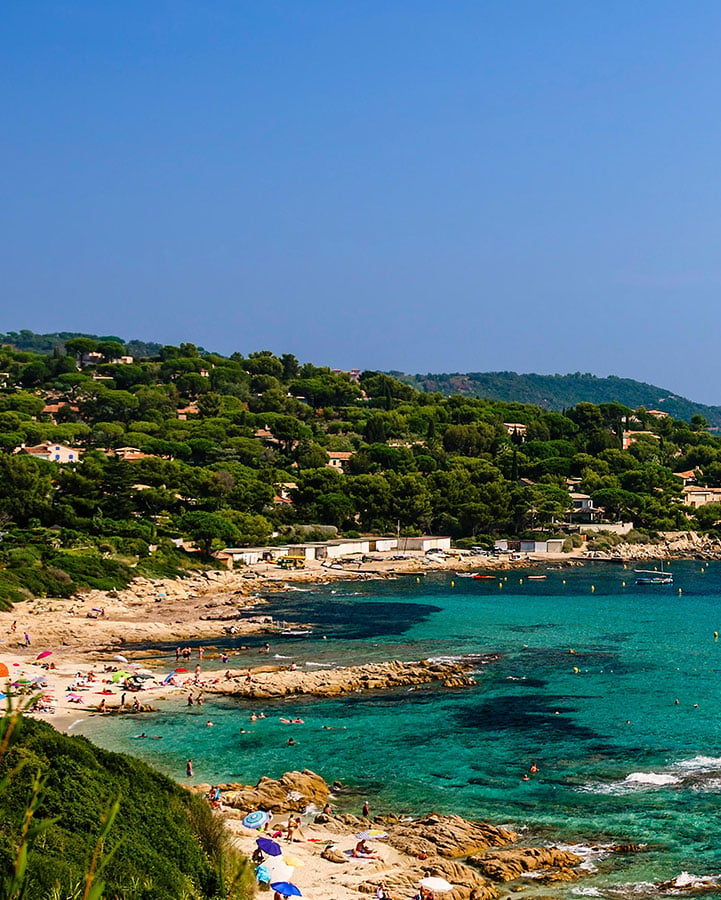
(262,874)
(268,846)
(256,819)
(286,889)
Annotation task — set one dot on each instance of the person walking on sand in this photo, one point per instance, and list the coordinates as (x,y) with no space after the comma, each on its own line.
(189,768)
(27,639)
(366,811)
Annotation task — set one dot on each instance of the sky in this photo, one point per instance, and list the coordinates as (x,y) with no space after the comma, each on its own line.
(420,185)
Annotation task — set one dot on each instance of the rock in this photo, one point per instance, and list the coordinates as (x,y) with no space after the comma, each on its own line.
(466,882)
(509,864)
(447,836)
(293,792)
(333,855)
(353,679)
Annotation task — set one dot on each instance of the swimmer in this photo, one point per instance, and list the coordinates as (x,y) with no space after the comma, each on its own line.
(290,742)
(208,724)
(533,769)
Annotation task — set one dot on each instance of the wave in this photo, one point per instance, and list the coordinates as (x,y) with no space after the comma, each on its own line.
(280,656)
(651,778)
(323,665)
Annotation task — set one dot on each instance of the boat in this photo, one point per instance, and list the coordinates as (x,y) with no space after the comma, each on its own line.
(653,576)
(479,577)
(536,577)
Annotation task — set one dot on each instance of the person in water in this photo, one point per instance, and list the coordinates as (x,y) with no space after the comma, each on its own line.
(189,768)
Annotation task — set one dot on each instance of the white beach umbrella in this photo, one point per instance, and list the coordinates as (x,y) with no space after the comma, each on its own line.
(436,885)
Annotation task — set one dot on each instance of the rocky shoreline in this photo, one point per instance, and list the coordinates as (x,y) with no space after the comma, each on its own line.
(476,858)
(273,683)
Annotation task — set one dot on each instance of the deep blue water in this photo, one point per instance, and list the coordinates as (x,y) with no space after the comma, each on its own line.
(586,684)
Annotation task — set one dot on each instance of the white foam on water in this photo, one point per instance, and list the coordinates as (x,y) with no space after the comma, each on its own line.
(323,665)
(586,892)
(700,764)
(280,656)
(651,778)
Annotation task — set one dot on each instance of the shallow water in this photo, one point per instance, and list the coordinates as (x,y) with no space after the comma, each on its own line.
(618,759)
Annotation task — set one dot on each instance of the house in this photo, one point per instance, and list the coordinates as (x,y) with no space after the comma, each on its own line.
(630,437)
(59,453)
(699,496)
(52,409)
(91,359)
(583,508)
(190,410)
(689,477)
(129,453)
(517,428)
(337,459)
(658,413)
(122,361)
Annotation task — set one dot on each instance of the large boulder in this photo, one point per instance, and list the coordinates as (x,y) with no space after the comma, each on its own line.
(467,883)
(293,792)
(449,836)
(549,864)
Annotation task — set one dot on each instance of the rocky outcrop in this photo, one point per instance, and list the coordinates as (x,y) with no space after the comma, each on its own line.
(549,863)
(293,792)
(264,685)
(447,836)
(467,883)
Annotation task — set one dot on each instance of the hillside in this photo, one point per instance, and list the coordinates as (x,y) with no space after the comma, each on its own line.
(163,843)
(558,392)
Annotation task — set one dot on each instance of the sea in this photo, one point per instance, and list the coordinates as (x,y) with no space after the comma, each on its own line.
(610,689)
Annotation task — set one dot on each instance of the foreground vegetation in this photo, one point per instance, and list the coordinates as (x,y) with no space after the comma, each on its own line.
(235,450)
(80,822)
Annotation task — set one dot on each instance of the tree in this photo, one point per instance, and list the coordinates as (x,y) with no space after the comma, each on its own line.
(205,528)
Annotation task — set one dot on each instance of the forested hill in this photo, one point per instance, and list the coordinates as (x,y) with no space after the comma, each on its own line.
(557,392)
(29,342)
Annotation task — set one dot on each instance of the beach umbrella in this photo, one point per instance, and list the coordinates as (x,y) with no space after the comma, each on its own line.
(120,658)
(372,834)
(279,871)
(437,885)
(286,888)
(256,819)
(4,671)
(262,874)
(268,846)
(168,678)
(44,654)
(293,861)
(118,676)
(180,671)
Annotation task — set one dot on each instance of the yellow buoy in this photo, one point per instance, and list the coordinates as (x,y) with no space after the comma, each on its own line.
(715,635)
(623,584)
(500,584)
(418,580)
(453,584)
(593,588)
(575,669)
(520,581)
(680,591)
(564,581)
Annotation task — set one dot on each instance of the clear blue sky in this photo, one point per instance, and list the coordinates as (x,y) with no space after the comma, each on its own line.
(530,185)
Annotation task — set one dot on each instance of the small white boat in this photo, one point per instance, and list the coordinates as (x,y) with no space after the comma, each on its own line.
(653,576)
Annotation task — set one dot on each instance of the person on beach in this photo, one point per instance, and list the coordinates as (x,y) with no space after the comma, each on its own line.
(136,705)
(228,676)
(190,699)
(201,651)
(177,654)
(363,851)
(189,768)
(290,829)
(366,811)
(298,836)
(13,627)
(27,639)
(327,811)
(102,707)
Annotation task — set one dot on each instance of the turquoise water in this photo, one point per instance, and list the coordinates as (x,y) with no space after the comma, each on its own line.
(618,759)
